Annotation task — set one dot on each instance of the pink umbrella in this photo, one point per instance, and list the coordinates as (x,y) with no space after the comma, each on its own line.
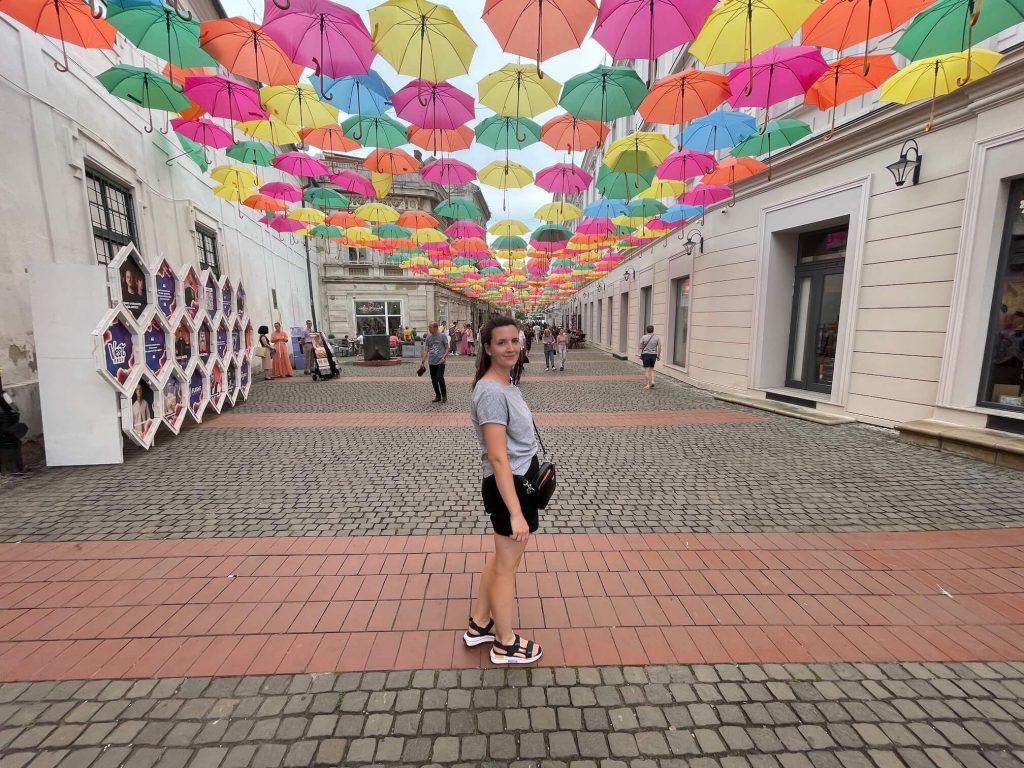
(595,227)
(433,105)
(328,37)
(645,29)
(202,131)
(353,181)
(223,97)
(685,165)
(284,224)
(300,164)
(658,224)
(778,74)
(437,250)
(705,195)
(564,178)
(465,228)
(448,172)
(282,190)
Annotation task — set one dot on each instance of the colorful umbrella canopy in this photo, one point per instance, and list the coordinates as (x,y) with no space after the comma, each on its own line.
(645,29)
(178,74)
(448,172)
(936,76)
(775,75)
(505,175)
(416,219)
(603,93)
(622,184)
(606,209)
(308,215)
(353,181)
(840,24)
(421,39)
(539,29)
(378,131)
(344,219)
(391,161)
(737,30)
(777,134)
(261,202)
(324,198)
(272,129)
(297,105)
(707,194)
(458,208)
(433,105)
(247,51)
(951,26)
(195,152)
(500,132)
(328,137)
(686,164)
(143,87)
(848,78)
(638,151)
(508,228)
(355,94)
(516,90)
(557,212)
(569,133)
(282,190)
(662,188)
(680,212)
(224,97)
(233,194)
(284,224)
(733,169)
(464,229)
(300,164)
(69,21)
(252,152)
(441,139)
(563,178)
(204,132)
(719,130)
(158,29)
(675,99)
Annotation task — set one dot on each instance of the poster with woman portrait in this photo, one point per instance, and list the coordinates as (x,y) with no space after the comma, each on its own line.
(143,414)
(182,344)
(192,292)
(227,298)
(118,351)
(222,340)
(166,290)
(210,290)
(240,298)
(174,401)
(132,281)
(205,341)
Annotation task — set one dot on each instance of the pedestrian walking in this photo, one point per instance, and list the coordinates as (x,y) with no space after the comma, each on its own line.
(562,344)
(265,352)
(548,340)
(456,338)
(508,451)
(650,353)
(435,352)
(467,339)
(307,347)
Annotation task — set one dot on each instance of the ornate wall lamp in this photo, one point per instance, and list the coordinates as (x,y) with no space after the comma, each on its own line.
(907,166)
(693,239)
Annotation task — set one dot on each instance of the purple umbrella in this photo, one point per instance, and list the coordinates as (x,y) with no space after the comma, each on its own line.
(353,181)
(282,190)
(300,164)
(433,105)
(686,164)
(202,131)
(223,97)
(325,36)
(778,74)
(448,172)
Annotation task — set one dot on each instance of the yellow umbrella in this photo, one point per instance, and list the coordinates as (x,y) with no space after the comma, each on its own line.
(505,175)
(662,188)
(381,183)
(274,130)
(377,213)
(644,233)
(298,105)
(638,152)
(421,39)
(936,76)
(630,221)
(232,193)
(558,212)
(428,235)
(360,235)
(308,215)
(515,90)
(235,176)
(736,30)
(508,228)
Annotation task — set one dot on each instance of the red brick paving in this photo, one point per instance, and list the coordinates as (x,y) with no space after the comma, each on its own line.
(288,605)
(241,420)
(468,379)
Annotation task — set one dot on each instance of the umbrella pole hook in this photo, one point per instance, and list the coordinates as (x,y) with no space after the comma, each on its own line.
(767,100)
(61,67)
(867,37)
(145,97)
(186,16)
(97,12)
(286,5)
(419,80)
(540,38)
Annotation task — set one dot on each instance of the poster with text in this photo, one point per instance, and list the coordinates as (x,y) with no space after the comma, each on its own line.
(118,351)
(166,290)
(132,280)
(155,339)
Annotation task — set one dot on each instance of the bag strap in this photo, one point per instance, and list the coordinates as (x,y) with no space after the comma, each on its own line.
(536,431)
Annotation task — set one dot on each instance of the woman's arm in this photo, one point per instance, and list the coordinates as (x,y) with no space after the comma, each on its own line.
(497,453)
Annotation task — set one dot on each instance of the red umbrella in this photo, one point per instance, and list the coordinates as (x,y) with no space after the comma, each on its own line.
(393,161)
(848,78)
(441,139)
(569,133)
(330,138)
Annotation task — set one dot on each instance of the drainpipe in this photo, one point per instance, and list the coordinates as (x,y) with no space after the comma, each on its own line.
(309,278)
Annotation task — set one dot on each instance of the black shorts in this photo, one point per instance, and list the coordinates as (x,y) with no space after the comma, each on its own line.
(649,360)
(501,519)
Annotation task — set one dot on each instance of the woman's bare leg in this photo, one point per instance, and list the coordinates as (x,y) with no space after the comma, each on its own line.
(497,595)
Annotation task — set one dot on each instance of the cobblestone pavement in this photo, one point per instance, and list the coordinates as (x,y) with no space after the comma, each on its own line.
(708,716)
(769,474)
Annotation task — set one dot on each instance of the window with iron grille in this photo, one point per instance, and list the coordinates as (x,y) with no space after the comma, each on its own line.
(208,250)
(111,211)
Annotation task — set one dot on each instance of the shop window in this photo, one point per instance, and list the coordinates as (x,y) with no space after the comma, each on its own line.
(207,242)
(112,213)
(1003,372)
(376,318)
(646,306)
(681,321)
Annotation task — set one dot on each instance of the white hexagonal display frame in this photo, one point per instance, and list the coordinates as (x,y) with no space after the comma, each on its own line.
(153,318)
(191,288)
(197,400)
(175,401)
(245,378)
(233,381)
(145,436)
(166,290)
(117,352)
(130,280)
(217,385)
(211,292)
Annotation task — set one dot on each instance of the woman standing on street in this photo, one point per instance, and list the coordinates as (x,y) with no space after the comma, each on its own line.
(504,429)
(548,340)
(282,360)
(265,351)
(650,353)
(561,342)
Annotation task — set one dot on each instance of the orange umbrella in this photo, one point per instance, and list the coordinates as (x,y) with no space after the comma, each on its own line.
(70,21)
(193,113)
(344,219)
(393,161)
(840,24)
(683,96)
(247,51)
(571,134)
(416,220)
(847,79)
(733,169)
(265,203)
(539,29)
(441,139)
(329,137)
(178,74)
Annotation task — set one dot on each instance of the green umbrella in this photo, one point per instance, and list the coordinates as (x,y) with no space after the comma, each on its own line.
(391,231)
(623,184)
(159,30)
(378,131)
(145,88)
(509,243)
(458,208)
(646,208)
(324,198)
(551,233)
(946,26)
(603,93)
(251,152)
(778,134)
(326,230)
(498,132)
(194,151)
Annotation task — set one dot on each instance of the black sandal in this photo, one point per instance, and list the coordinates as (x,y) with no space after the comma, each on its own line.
(516,653)
(476,634)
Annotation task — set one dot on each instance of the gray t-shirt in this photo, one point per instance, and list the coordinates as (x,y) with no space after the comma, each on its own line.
(495,403)
(649,344)
(436,345)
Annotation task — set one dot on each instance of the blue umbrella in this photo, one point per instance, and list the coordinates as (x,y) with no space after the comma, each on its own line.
(365,95)
(606,208)
(719,130)
(680,212)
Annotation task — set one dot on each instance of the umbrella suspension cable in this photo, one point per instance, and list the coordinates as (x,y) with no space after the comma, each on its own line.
(60,67)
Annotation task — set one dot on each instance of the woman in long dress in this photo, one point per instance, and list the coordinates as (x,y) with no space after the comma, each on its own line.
(282,360)
(467,339)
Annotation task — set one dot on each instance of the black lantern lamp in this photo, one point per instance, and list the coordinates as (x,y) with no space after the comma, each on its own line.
(629,274)
(908,166)
(694,239)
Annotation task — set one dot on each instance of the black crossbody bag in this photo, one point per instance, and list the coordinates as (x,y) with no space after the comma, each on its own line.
(540,485)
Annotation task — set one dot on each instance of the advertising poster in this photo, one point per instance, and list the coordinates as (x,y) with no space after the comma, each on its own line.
(142,410)
(166,290)
(190,285)
(155,339)
(195,393)
(183,344)
(226,299)
(204,341)
(118,351)
(174,399)
(245,375)
(133,286)
(232,378)
(240,299)
(210,295)
(222,340)
(236,338)
(216,382)
(248,337)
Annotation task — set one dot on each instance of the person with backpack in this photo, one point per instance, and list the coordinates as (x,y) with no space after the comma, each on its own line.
(650,353)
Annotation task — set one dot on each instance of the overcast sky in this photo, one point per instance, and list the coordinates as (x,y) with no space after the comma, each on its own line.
(488,57)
